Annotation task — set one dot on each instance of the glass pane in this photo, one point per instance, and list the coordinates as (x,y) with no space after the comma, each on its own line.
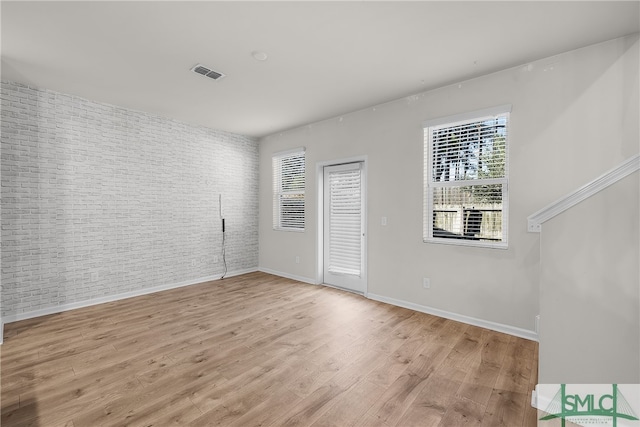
(292,173)
(474,150)
(292,210)
(470,212)
(345,210)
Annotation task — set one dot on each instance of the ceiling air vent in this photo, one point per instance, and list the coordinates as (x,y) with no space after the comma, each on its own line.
(207,72)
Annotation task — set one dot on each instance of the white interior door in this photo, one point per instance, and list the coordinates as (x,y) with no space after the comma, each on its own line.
(344,227)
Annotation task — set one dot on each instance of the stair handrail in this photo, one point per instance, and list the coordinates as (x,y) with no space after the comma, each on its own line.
(629,166)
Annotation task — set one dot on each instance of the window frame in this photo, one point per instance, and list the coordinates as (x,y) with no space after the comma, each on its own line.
(279,192)
(429,185)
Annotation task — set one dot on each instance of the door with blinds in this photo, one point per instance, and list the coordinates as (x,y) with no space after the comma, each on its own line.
(344,233)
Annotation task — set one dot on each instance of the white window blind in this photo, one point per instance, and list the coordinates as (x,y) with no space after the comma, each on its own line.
(345,238)
(288,190)
(466,179)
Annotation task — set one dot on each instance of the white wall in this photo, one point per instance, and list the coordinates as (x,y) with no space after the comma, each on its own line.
(590,277)
(574,116)
(100,201)
(590,290)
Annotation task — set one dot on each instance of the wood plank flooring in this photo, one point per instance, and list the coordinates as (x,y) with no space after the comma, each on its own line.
(260,350)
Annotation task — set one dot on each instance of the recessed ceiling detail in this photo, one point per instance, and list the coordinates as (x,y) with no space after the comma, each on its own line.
(207,72)
(259,56)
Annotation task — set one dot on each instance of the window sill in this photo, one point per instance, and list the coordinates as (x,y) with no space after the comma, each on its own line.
(294,230)
(467,242)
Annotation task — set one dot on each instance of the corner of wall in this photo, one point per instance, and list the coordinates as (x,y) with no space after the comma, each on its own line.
(288,275)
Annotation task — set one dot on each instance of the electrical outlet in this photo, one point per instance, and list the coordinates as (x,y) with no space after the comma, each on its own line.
(297,260)
(383,220)
(215,259)
(426,283)
(193,263)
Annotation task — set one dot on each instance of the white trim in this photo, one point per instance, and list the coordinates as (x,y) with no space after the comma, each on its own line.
(1,332)
(320,222)
(470,182)
(629,166)
(540,400)
(463,242)
(511,330)
(470,115)
(292,230)
(87,303)
(287,275)
(289,151)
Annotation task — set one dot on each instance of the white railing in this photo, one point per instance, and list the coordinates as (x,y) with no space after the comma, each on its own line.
(626,168)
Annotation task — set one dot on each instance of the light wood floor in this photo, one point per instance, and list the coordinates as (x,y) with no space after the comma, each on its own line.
(261,350)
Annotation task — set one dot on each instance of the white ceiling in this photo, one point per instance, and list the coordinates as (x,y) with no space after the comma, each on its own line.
(325,58)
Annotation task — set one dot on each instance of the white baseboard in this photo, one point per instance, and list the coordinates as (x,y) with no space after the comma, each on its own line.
(499,327)
(540,397)
(511,330)
(287,275)
(522,333)
(110,298)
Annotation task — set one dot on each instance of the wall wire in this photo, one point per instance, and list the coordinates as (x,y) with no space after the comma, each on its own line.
(223,251)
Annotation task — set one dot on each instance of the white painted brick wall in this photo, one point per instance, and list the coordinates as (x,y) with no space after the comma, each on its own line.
(99,200)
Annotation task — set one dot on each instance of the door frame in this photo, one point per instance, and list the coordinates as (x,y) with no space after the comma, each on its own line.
(320,216)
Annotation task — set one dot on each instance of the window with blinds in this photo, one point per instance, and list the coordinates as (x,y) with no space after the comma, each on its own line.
(466,179)
(288,190)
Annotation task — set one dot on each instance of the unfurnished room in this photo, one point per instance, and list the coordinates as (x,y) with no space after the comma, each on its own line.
(320,213)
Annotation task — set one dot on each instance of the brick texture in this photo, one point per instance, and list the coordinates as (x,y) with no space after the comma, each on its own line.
(99,200)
